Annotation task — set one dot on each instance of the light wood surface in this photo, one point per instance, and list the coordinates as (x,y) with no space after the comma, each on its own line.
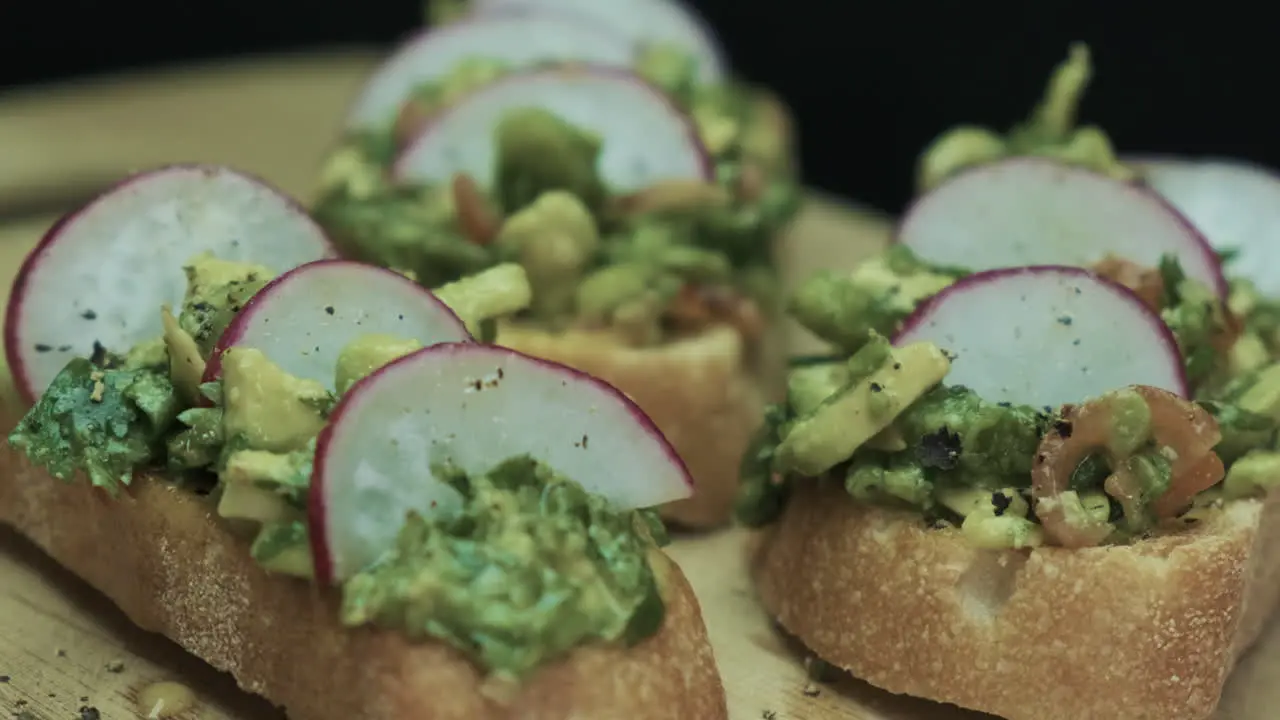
(63,647)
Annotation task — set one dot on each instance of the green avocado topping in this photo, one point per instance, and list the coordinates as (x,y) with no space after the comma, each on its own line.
(528,568)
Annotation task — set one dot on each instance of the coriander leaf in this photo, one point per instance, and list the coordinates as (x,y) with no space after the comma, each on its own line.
(105,423)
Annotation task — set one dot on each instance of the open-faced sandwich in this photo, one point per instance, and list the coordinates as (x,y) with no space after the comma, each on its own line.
(1035,480)
(641,192)
(307,472)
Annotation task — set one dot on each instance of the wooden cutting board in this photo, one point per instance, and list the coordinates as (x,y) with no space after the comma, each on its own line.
(64,650)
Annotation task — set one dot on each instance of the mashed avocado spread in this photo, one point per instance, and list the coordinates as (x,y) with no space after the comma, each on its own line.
(647,266)
(882,422)
(527,568)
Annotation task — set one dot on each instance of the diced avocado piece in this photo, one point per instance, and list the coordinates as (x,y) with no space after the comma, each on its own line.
(267,407)
(216,291)
(186,365)
(497,292)
(1248,353)
(965,501)
(809,386)
(282,547)
(368,353)
(1130,423)
(1255,473)
(246,501)
(1096,505)
(844,422)
(987,530)
(1263,395)
(147,355)
(872,482)
(843,308)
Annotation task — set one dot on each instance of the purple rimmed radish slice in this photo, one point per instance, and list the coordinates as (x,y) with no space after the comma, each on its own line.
(303,319)
(1035,211)
(1235,205)
(1045,336)
(470,406)
(644,138)
(101,274)
(668,22)
(517,42)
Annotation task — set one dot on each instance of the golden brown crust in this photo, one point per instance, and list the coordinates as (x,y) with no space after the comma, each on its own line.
(160,554)
(704,393)
(1148,631)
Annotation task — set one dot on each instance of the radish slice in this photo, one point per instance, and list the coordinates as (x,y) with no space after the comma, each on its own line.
(1034,211)
(303,319)
(1234,204)
(515,41)
(472,406)
(644,138)
(643,22)
(1046,336)
(101,273)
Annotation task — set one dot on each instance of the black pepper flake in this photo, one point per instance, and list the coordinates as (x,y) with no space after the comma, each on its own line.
(4,679)
(88,712)
(876,387)
(115,666)
(329,309)
(42,348)
(89,315)
(1000,503)
(1039,458)
(1004,404)
(1065,320)
(201,306)
(897,366)
(99,356)
(584,442)
(64,348)
(939,449)
(1063,428)
(769,715)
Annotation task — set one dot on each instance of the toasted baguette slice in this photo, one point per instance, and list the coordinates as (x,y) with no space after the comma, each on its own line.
(1142,632)
(161,555)
(705,393)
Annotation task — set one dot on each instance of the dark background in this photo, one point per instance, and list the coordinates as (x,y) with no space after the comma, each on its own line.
(871,83)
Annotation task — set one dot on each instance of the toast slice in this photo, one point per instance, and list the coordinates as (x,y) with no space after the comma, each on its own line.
(1147,631)
(164,558)
(706,393)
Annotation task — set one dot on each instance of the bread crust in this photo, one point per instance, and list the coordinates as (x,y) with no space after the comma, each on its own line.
(1144,631)
(164,558)
(706,393)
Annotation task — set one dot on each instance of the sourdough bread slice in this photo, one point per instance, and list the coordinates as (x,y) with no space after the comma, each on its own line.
(1147,631)
(162,555)
(706,393)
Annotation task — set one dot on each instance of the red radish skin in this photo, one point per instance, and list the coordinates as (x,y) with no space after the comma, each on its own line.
(1045,336)
(668,22)
(321,306)
(101,273)
(1235,204)
(473,405)
(645,139)
(1036,211)
(518,42)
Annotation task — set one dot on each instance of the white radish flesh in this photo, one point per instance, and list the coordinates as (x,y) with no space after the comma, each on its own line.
(644,138)
(101,274)
(518,42)
(1034,211)
(668,22)
(303,319)
(1235,205)
(471,406)
(1045,336)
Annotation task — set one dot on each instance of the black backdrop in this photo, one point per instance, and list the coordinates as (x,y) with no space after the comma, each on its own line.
(870,82)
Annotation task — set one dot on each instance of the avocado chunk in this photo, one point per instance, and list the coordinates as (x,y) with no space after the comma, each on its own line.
(367,353)
(844,422)
(216,291)
(265,407)
(186,365)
